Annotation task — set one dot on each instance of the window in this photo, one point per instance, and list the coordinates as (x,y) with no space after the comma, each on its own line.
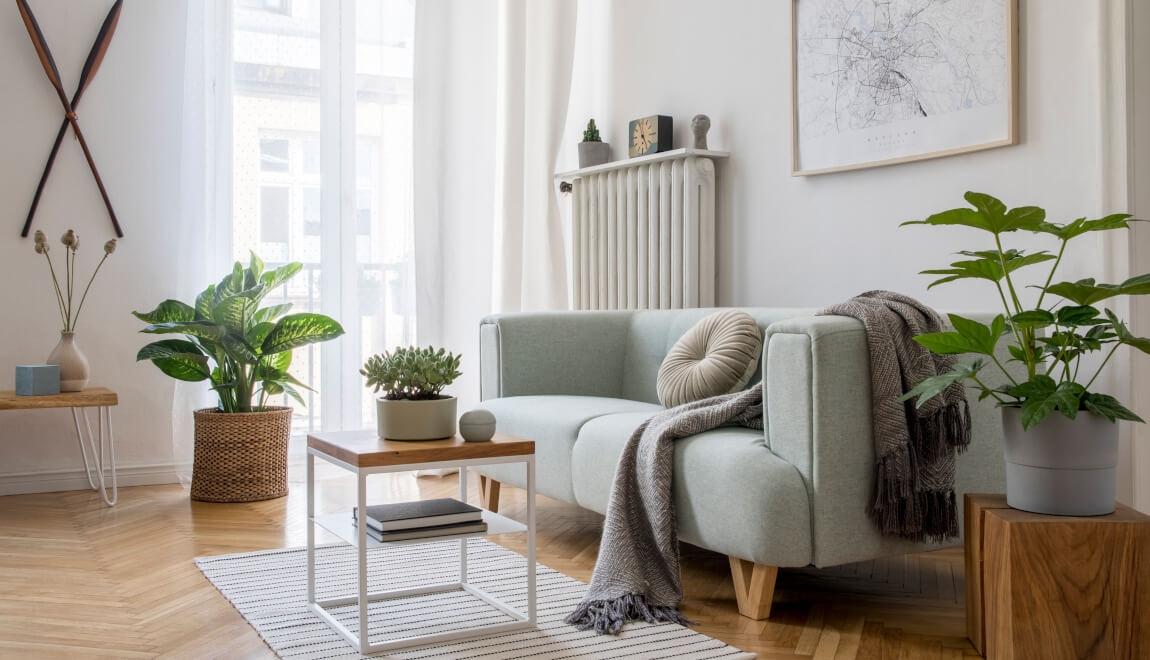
(274,155)
(273,214)
(321,131)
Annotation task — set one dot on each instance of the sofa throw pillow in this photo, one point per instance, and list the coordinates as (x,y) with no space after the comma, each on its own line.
(718,355)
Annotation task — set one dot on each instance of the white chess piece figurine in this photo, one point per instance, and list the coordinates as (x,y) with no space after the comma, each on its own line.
(700,124)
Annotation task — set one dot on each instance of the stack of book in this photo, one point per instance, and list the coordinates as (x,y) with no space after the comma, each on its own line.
(423,519)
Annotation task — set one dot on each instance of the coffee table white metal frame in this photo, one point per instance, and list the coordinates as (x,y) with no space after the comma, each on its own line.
(355,533)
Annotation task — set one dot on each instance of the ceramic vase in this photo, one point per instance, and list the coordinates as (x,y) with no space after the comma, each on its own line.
(74,369)
(1063,467)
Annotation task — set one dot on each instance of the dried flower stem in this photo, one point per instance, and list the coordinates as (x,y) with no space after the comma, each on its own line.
(56,286)
(85,296)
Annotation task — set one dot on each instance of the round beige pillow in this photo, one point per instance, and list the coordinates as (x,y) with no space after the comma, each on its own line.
(718,355)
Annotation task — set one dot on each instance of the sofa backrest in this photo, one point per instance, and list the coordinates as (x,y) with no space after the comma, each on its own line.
(652,333)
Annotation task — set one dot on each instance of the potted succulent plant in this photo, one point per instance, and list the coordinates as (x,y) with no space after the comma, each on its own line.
(245,351)
(413,406)
(593,150)
(1061,434)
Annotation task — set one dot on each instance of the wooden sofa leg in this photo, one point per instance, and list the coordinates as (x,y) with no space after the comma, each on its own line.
(489,493)
(754,587)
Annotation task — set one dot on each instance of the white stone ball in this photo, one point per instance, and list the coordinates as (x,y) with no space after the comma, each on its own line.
(477,425)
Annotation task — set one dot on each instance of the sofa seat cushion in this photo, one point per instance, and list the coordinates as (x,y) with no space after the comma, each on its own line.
(553,422)
(732,494)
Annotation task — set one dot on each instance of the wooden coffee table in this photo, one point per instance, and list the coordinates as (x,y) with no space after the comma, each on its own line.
(364,454)
(103,400)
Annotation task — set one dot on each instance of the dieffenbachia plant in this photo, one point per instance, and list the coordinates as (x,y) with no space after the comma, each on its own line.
(1049,337)
(244,350)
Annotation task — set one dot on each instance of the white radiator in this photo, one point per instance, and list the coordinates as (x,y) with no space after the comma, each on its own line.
(643,232)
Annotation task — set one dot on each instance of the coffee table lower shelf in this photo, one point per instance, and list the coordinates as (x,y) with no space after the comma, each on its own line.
(343,526)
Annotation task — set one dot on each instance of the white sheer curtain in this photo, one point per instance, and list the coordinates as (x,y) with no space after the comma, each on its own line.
(297,145)
(205,189)
(492,86)
(536,53)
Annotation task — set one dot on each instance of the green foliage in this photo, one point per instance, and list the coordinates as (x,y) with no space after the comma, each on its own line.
(1048,340)
(244,350)
(411,373)
(591,133)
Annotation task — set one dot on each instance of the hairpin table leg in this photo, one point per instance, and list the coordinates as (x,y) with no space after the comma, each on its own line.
(96,468)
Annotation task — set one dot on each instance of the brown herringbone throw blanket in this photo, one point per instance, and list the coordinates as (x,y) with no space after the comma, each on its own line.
(637,575)
(914,449)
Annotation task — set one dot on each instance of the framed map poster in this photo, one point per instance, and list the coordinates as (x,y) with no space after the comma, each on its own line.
(879,82)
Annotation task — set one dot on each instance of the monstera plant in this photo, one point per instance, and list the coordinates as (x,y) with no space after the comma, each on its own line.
(1061,441)
(244,349)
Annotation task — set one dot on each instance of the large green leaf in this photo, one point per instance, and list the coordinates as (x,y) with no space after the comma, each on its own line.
(271,313)
(969,336)
(239,349)
(203,329)
(166,348)
(1075,315)
(273,278)
(1082,225)
(1125,336)
(204,303)
(1035,318)
(989,214)
(169,311)
(295,330)
(178,358)
(235,312)
(935,385)
(1108,407)
(255,269)
(182,369)
(1087,291)
(256,333)
(1041,395)
(988,266)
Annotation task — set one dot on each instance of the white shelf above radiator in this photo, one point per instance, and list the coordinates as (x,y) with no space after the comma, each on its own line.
(684,152)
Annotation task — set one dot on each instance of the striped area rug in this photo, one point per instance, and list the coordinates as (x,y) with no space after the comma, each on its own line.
(268,589)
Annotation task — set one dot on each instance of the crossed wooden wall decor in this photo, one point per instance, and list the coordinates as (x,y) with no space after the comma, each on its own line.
(91,65)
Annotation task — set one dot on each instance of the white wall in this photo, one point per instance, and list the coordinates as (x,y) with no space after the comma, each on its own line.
(131,118)
(811,241)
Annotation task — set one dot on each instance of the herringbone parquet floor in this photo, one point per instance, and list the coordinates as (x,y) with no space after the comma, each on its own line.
(80,580)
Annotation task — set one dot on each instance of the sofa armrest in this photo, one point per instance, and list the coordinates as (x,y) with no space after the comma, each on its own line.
(817,413)
(578,353)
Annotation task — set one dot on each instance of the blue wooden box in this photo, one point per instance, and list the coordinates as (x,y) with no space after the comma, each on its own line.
(37,379)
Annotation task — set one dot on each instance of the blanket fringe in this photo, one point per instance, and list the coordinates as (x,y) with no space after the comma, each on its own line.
(608,616)
(898,510)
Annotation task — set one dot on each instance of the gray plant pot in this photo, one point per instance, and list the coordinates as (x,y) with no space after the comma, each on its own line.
(416,420)
(593,153)
(1061,467)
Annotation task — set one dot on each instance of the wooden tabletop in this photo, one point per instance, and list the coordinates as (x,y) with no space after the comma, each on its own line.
(365,449)
(92,397)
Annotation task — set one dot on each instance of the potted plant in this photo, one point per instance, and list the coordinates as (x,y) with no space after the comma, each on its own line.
(593,150)
(1061,435)
(245,351)
(413,406)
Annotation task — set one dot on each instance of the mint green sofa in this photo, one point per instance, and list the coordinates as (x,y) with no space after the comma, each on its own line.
(795,494)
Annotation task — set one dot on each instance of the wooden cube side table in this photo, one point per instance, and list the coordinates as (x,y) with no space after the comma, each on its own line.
(1055,587)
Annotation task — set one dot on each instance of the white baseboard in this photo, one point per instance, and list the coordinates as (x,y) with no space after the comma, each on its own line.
(51,481)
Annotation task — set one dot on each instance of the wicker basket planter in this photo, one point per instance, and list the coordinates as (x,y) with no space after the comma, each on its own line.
(241,457)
